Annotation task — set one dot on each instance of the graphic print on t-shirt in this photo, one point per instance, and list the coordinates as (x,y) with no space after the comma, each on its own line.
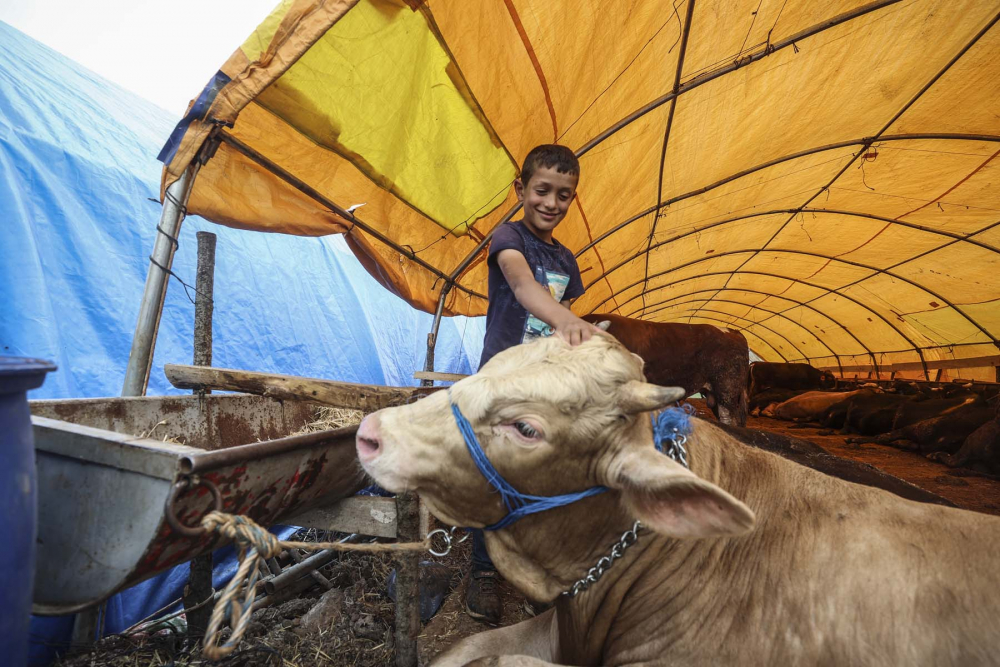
(556,282)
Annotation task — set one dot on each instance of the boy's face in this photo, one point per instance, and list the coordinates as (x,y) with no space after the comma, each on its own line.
(546,198)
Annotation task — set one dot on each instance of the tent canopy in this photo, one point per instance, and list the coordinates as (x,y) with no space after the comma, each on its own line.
(821,176)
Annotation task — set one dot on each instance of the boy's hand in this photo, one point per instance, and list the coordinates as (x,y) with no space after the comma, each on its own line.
(573,330)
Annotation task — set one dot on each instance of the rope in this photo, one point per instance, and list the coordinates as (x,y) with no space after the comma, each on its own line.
(255,544)
(671,423)
(518,504)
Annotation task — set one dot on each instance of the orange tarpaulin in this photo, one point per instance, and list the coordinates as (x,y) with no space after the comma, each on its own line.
(821,176)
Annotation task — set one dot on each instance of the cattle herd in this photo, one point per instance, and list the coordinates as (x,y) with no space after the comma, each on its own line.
(951,423)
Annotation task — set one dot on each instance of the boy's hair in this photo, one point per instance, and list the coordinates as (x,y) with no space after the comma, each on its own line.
(551,156)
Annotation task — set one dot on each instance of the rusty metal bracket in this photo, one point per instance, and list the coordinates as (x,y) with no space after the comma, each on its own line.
(190,483)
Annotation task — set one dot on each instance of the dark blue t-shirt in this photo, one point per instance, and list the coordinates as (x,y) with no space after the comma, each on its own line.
(507,322)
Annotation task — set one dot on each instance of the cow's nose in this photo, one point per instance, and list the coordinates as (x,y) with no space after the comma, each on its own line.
(368,443)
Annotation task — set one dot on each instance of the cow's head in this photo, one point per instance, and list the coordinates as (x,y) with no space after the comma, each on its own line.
(552,419)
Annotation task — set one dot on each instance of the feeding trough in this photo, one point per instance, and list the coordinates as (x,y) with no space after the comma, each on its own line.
(122,479)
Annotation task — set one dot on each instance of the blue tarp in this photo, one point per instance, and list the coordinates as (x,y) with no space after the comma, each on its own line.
(77,171)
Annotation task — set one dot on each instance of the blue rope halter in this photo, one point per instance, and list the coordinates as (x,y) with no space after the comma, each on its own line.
(671,424)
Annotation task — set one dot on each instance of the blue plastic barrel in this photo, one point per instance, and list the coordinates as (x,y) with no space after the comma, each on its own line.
(18,504)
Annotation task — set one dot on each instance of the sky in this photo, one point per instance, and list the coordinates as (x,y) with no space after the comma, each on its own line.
(163,50)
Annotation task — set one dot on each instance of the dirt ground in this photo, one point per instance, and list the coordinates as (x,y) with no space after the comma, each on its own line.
(957,485)
(360,632)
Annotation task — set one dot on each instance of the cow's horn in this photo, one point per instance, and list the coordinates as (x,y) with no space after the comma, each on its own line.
(635,396)
(604,325)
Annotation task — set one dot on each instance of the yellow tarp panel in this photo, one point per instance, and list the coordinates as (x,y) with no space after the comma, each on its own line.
(829,185)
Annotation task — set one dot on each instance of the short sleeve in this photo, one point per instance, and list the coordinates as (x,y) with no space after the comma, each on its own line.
(574,288)
(505,237)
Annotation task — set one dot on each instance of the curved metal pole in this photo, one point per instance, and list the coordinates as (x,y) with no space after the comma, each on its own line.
(757,336)
(653,309)
(794,280)
(670,122)
(916,96)
(735,65)
(958,238)
(873,269)
(792,156)
(752,323)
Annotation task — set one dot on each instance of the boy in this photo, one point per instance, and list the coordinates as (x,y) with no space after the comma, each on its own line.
(533,279)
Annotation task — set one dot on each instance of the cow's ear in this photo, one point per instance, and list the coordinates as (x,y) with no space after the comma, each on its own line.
(635,396)
(673,501)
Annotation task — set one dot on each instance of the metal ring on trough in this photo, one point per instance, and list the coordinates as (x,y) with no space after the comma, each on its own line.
(190,483)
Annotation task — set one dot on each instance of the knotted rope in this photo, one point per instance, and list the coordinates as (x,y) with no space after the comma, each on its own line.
(256,544)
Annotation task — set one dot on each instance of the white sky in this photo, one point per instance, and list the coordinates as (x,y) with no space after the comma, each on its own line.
(128,41)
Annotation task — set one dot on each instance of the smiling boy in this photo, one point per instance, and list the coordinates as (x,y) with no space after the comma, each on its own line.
(533,279)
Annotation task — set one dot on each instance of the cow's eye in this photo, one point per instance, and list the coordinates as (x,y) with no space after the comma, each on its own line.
(526,429)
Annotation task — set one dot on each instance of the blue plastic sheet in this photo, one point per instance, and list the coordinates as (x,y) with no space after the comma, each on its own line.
(77,171)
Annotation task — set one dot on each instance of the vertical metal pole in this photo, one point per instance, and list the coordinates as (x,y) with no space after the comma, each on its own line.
(407,581)
(144,339)
(199,586)
(432,336)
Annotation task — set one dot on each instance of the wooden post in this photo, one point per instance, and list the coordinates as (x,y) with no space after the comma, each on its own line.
(199,586)
(407,581)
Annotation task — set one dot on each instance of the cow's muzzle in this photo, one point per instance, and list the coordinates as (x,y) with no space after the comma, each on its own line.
(368,442)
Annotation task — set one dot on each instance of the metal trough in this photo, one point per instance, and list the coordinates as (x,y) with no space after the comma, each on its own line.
(106,469)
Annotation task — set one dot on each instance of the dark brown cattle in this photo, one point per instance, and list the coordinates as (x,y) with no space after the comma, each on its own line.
(770,397)
(873,414)
(698,357)
(980,451)
(769,375)
(911,412)
(945,433)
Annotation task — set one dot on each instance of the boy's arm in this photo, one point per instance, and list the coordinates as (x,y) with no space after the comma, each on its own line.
(538,301)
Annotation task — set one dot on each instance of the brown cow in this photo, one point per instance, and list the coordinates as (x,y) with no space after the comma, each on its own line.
(698,357)
(745,559)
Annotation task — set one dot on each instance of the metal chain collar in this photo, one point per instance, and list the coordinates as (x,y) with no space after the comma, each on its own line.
(678,453)
(675,450)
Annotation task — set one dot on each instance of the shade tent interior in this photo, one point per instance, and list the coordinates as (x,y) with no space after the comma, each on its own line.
(820,176)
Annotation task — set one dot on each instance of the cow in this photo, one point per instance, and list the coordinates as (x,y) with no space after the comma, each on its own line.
(769,375)
(872,414)
(698,357)
(811,405)
(764,399)
(980,451)
(744,558)
(944,433)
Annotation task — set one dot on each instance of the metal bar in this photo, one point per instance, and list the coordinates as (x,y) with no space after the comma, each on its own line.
(927,86)
(319,578)
(786,158)
(301,569)
(315,195)
(755,335)
(151,306)
(752,323)
(873,269)
(666,132)
(966,238)
(802,304)
(200,463)
(711,76)
(407,581)
(199,586)
(432,336)
(665,305)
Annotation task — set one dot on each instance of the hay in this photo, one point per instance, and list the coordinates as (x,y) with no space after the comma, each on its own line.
(327,418)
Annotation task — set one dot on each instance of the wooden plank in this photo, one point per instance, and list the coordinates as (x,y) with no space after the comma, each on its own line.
(971,362)
(364,515)
(364,397)
(434,375)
